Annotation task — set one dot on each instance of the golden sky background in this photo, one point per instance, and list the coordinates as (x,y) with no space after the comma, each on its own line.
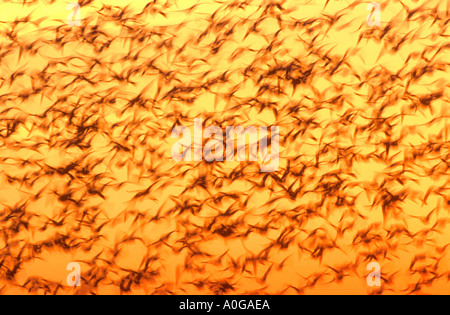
(86,173)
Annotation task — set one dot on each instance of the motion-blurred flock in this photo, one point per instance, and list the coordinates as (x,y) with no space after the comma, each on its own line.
(87,177)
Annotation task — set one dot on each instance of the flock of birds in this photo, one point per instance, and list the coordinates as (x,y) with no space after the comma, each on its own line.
(86,114)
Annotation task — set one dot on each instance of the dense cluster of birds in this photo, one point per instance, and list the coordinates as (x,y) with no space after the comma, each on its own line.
(86,114)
